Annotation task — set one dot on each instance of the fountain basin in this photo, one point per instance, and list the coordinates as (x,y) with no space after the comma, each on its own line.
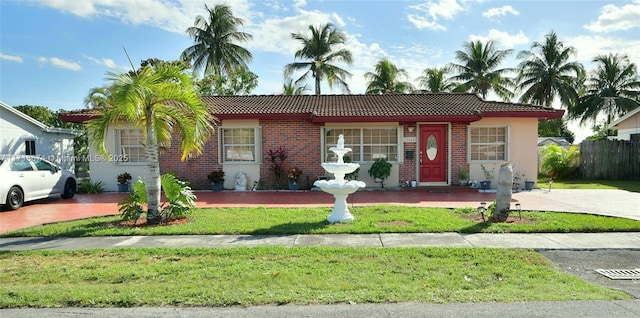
(339,170)
(336,187)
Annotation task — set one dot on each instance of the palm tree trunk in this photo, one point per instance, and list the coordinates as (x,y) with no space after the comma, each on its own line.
(317,85)
(503,197)
(152,172)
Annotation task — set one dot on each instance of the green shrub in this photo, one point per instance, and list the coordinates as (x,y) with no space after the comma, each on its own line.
(560,163)
(179,195)
(88,187)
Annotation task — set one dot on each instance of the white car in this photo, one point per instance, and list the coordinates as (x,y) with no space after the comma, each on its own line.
(27,178)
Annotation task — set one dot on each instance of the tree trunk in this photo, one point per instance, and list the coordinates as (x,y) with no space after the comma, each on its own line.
(317,82)
(503,197)
(152,172)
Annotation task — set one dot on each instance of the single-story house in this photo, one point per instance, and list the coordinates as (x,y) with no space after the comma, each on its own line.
(22,135)
(628,126)
(428,138)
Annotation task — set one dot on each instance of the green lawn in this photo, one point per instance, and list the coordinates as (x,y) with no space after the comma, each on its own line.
(279,275)
(370,219)
(629,185)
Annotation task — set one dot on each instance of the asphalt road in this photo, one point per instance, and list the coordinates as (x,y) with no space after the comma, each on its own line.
(583,263)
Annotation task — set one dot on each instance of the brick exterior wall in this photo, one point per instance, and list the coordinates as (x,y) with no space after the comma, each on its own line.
(194,169)
(408,167)
(458,150)
(301,138)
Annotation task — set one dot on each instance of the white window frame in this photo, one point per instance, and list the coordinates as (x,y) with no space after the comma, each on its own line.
(120,157)
(470,143)
(361,146)
(257,145)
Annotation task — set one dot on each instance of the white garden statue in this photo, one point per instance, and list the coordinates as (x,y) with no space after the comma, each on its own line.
(241,181)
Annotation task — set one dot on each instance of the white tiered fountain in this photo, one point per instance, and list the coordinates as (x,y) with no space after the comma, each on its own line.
(339,187)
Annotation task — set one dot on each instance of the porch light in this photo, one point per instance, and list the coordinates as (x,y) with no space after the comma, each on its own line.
(481,209)
(519,209)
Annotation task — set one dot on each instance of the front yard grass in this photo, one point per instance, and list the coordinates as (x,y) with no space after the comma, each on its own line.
(369,219)
(279,275)
(629,185)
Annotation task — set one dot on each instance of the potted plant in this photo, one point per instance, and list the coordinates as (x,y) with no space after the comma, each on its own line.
(517,176)
(380,170)
(528,184)
(217,180)
(488,177)
(293,175)
(463,177)
(123,182)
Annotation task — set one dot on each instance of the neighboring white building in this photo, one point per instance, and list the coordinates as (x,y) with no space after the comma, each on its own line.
(23,135)
(628,126)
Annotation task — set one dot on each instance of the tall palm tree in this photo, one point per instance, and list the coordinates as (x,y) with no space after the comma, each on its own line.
(434,80)
(613,89)
(479,69)
(318,49)
(216,37)
(161,102)
(387,79)
(549,73)
(289,88)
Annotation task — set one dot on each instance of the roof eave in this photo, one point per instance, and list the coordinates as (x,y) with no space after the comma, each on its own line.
(402,119)
(543,115)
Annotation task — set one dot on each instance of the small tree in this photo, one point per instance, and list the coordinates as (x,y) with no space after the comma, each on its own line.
(276,159)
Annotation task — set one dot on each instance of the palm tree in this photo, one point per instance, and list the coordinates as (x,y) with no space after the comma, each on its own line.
(613,89)
(216,39)
(318,49)
(97,97)
(433,80)
(479,70)
(289,88)
(161,102)
(549,74)
(386,79)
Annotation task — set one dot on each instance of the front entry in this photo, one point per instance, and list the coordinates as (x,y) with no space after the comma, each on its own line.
(433,153)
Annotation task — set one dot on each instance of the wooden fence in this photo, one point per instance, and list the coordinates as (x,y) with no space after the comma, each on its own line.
(610,159)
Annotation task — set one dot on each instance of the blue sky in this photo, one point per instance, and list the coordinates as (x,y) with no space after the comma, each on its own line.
(52,52)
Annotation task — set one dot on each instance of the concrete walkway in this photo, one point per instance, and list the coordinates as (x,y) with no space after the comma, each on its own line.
(619,240)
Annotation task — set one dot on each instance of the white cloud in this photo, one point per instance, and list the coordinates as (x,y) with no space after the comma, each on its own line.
(11,58)
(109,63)
(493,12)
(588,47)
(60,63)
(502,38)
(173,16)
(431,12)
(614,18)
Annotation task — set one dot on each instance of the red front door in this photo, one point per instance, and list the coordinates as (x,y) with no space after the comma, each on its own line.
(433,153)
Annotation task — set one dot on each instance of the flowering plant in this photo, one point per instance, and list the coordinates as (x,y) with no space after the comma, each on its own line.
(216,176)
(294,174)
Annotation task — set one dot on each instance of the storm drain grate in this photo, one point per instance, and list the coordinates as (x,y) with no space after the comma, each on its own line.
(620,273)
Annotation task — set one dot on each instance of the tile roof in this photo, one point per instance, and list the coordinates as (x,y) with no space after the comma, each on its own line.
(395,107)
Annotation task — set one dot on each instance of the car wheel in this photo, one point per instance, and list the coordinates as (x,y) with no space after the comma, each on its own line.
(15,198)
(69,189)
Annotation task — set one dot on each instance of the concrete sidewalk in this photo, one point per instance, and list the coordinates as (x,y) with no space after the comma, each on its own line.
(617,240)
(560,309)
